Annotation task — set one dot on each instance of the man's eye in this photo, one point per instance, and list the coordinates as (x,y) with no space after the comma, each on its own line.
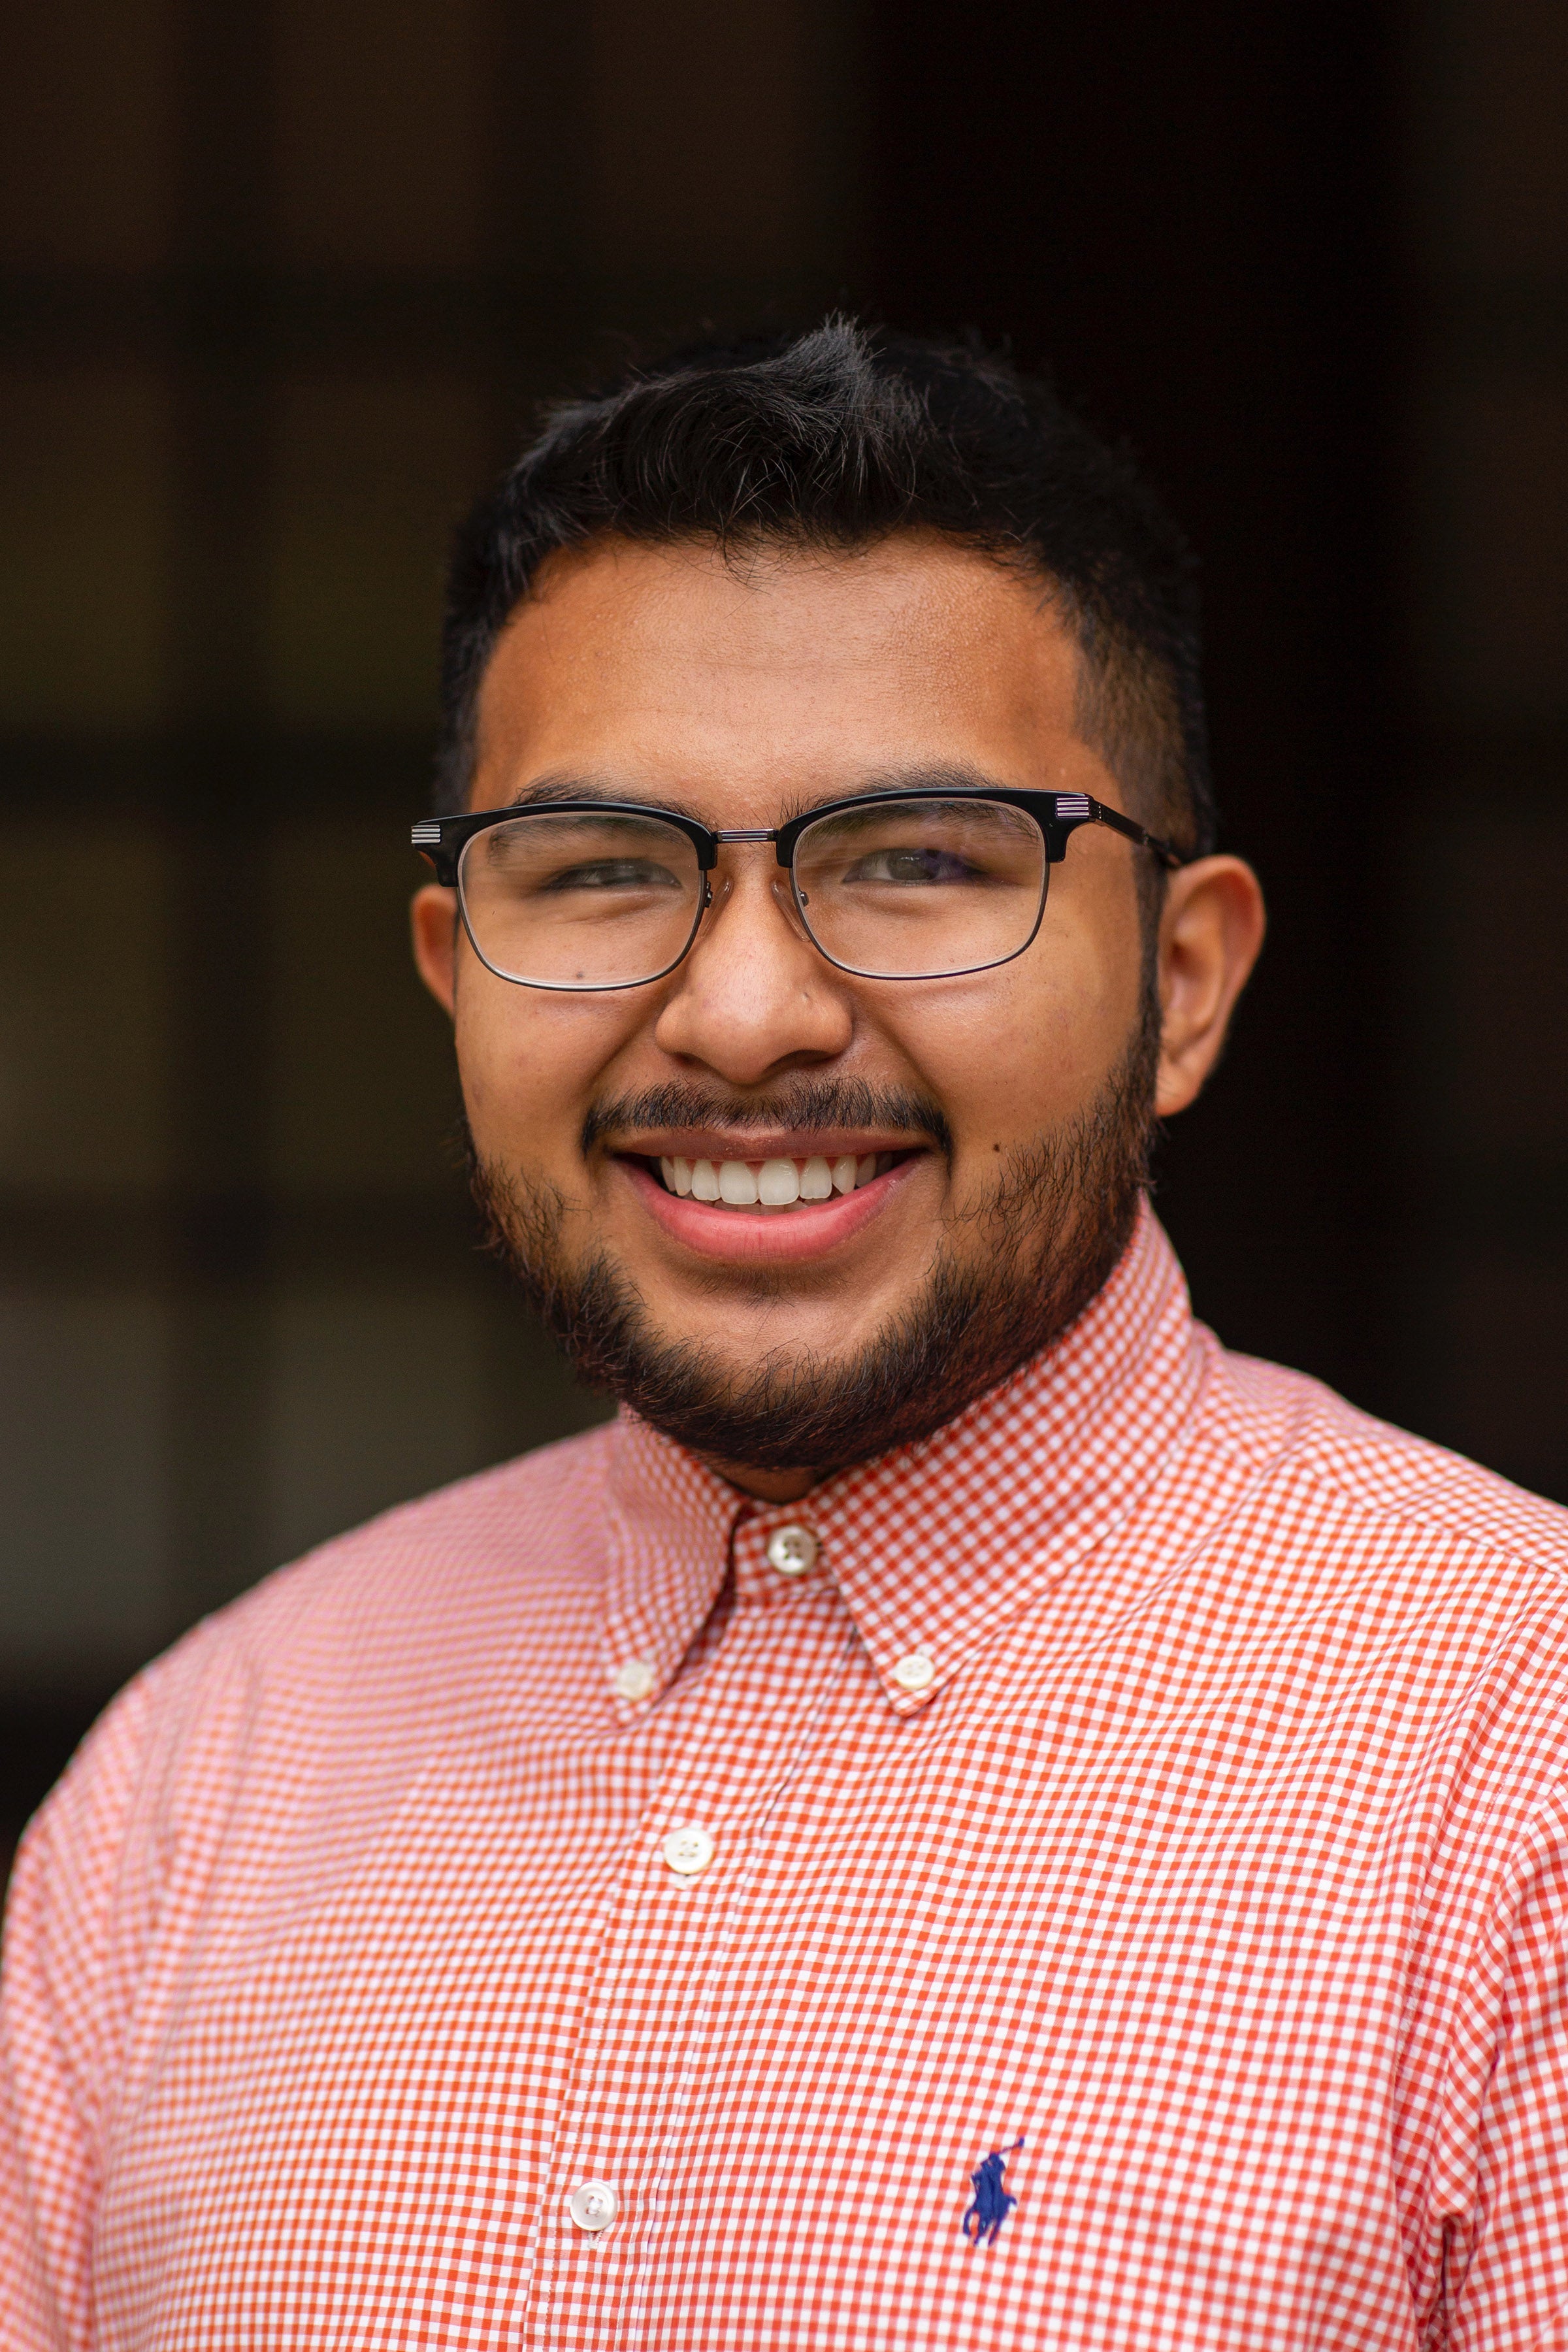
(913,865)
(615,873)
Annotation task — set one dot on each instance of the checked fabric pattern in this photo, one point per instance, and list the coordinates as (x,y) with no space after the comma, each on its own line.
(1215,1848)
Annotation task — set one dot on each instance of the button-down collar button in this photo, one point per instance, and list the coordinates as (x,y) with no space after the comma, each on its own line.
(792,1550)
(914,1672)
(635,1679)
(592,2204)
(688,1851)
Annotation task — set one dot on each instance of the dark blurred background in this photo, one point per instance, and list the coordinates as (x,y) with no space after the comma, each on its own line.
(280,285)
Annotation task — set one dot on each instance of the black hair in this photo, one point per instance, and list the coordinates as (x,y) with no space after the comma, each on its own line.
(834,439)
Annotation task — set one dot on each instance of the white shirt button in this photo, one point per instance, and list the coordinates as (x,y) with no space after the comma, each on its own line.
(688,1851)
(592,2204)
(635,1679)
(792,1550)
(914,1672)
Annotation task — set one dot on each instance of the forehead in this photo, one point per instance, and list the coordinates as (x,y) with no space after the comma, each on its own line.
(665,667)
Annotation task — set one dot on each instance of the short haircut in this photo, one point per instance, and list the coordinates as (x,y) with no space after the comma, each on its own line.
(836,439)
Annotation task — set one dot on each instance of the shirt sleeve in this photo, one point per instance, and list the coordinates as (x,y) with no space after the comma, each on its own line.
(1504,2234)
(61,2021)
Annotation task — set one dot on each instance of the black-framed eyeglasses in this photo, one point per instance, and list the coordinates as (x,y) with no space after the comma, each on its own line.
(927,885)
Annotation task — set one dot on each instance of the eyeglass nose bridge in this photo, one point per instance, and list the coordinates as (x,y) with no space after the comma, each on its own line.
(793,903)
(755,833)
(789,898)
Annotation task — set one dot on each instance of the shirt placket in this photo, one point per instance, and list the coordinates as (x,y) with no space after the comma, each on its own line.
(675,1930)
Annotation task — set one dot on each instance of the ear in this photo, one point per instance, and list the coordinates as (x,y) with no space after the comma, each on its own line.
(434,920)
(1210,932)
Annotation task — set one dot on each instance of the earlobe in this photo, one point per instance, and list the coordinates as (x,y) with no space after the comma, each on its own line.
(1210,934)
(433,922)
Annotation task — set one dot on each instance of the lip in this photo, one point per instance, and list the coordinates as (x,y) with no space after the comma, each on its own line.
(756,1144)
(733,1238)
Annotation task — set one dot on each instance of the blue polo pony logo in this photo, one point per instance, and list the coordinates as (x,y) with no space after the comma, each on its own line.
(993,2204)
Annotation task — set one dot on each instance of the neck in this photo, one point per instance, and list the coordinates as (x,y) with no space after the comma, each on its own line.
(766,1485)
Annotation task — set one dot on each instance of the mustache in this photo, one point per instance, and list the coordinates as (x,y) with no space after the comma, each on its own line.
(803,1102)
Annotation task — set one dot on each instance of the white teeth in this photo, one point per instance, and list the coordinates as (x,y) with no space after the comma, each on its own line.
(778,1183)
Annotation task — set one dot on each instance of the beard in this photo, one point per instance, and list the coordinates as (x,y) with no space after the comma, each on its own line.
(1013,1272)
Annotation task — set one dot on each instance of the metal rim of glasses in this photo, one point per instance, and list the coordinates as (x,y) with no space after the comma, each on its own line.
(443,841)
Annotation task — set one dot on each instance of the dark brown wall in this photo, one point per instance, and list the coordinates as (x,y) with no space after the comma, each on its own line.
(278,285)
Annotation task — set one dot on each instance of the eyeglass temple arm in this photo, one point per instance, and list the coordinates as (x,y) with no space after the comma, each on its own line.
(1080,810)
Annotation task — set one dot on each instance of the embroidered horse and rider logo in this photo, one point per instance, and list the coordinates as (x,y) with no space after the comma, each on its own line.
(992,2202)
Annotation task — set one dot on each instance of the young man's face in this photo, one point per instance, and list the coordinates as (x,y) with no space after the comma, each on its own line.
(741,696)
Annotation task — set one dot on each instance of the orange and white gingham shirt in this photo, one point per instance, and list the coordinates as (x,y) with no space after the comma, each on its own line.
(1161,1766)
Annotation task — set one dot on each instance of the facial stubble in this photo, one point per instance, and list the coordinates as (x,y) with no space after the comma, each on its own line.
(1007,1281)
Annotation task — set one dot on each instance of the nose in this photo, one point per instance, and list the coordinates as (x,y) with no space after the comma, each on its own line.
(753,996)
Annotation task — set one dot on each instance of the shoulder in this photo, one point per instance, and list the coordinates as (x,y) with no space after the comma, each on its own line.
(1390,1603)
(1340,1513)
(427,1597)
(513,1541)
(354,1658)
(1307,1436)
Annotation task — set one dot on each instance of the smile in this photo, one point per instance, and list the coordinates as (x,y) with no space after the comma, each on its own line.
(772,1187)
(777,1210)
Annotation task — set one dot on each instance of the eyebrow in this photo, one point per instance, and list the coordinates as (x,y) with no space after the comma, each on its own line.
(888,783)
(546,791)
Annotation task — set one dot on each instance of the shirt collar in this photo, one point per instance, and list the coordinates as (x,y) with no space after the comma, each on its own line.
(932,1545)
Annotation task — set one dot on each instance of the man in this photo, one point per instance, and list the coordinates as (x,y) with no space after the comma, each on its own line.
(968,1817)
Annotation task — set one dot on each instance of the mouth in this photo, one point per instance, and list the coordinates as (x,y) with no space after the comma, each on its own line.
(774,1207)
(779,1187)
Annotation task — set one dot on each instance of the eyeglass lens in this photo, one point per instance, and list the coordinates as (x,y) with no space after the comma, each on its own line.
(922,890)
(581,900)
(901,890)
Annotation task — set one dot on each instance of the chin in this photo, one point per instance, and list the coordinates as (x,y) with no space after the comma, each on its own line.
(734,1348)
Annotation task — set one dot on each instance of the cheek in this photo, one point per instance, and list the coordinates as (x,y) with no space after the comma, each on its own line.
(1019,1055)
(529,1063)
